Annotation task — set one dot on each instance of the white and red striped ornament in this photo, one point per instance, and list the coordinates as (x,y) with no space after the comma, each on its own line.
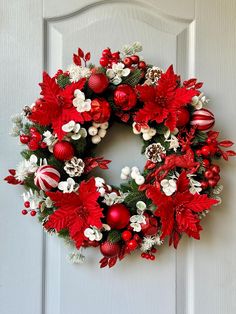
(46,177)
(203,119)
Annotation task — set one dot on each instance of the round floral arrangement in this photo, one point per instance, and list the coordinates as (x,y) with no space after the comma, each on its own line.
(77,107)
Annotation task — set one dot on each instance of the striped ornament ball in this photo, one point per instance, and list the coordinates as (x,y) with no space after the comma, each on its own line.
(203,119)
(46,177)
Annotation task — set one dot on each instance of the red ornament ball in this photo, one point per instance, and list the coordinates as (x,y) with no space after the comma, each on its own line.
(98,83)
(63,150)
(125,97)
(100,110)
(182,116)
(46,177)
(118,216)
(203,119)
(109,249)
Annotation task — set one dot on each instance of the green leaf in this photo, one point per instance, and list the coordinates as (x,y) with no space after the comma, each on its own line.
(63,80)
(133,78)
(133,197)
(200,137)
(114,236)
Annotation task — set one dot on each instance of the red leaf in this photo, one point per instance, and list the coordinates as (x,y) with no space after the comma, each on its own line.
(80,53)
(12,180)
(183,182)
(103,262)
(87,56)
(76,60)
(112,261)
(226,143)
(213,135)
(225,155)
(231,153)
(12,171)
(200,202)
(49,89)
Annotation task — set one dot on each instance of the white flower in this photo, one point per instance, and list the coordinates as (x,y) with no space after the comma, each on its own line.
(93,234)
(195,186)
(136,221)
(168,186)
(74,129)
(80,102)
(141,206)
(78,72)
(68,186)
(149,242)
(114,198)
(117,71)
(199,101)
(172,139)
(132,49)
(26,167)
(34,197)
(50,139)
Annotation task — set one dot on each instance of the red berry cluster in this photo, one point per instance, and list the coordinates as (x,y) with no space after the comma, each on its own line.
(210,149)
(26,211)
(132,241)
(108,57)
(149,255)
(33,140)
(134,61)
(212,174)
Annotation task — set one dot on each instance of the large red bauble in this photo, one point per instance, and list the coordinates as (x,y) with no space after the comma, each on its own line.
(109,249)
(118,216)
(151,226)
(63,151)
(46,177)
(203,119)
(100,110)
(98,82)
(125,97)
(182,116)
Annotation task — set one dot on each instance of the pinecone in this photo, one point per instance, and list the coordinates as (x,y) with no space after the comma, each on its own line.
(152,76)
(154,152)
(74,167)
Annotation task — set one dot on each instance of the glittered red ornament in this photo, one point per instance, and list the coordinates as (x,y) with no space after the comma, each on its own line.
(203,119)
(182,116)
(63,150)
(125,97)
(98,82)
(118,216)
(109,249)
(151,226)
(100,110)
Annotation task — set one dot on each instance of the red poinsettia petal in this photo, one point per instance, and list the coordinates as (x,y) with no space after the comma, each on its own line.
(200,202)
(183,182)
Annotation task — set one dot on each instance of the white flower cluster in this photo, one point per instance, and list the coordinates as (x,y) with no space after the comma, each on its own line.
(93,234)
(116,73)
(149,242)
(25,167)
(199,101)
(74,130)
(50,139)
(98,131)
(77,72)
(195,186)
(129,50)
(80,102)
(114,198)
(17,121)
(36,198)
(169,186)
(137,220)
(172,139)
(68,186)
(134,173)
(147,132)
(101,185)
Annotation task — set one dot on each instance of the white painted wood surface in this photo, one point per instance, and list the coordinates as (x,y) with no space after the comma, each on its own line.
(199,38)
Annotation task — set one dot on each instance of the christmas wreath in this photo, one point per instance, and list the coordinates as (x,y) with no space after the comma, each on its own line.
(167,199)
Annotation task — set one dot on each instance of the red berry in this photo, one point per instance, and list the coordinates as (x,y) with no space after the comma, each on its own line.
(206,163)
(24,212)
(148,256)
(33,145)
(135,59)
(152,257)
(212,183)
(198,152)
(116,55)
(104,61)
(37,136)
(215,169)
(27,204)
(208,174)
(205,150)
(33,213)
(209,141)
(142,65)
(127,62)
(24,139)
(204,184)
(106,52)
(137,238)
(33,129)
(213,149)
(153,250)
(132,245)
(143,255)
(217,178)
(126,235)
(43,145)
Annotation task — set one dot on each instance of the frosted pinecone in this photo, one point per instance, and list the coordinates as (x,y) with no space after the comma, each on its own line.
(154,151)
(74,167)
(153,74)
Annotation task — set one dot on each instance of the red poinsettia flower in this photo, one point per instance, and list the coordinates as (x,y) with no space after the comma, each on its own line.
(76,211)
(179,212)
(55,107)
(162,101)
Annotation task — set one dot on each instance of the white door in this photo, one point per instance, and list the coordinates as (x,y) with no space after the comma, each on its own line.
(198,37)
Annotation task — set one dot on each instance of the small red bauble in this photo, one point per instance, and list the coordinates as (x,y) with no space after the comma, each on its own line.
(33,129)
(215,169)
(109,249)
(204,184)
(205,150)
(118,216)
(63,151)
(206,163)
(132,245)
(98,82)
(100,110)
(36,136)
(182,116)
(125,97)
(212,183)
(126,235)
(209,174)
(33,144)
(135,59)
(151,226)
(33,213)
(142,65)
(46,177)
(24,212)
(127,62)
(106,52)
(104,61)
(24,139)
(203,119)
(27,204)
